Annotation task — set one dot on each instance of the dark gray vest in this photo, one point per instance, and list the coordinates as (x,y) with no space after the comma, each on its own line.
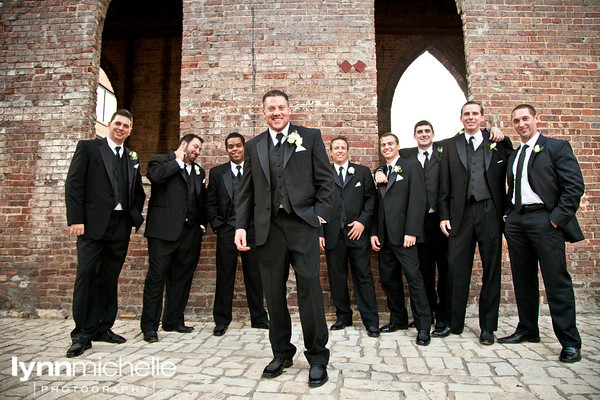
(478,187)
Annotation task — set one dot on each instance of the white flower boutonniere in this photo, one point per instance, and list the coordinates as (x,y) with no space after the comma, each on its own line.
(197,169)
(351,170)
(492,146)
(397,170)
(537,148)
(133,155)
(440,149)
(295,138)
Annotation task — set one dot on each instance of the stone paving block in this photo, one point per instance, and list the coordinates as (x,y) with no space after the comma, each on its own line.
(348,394)
(479,369)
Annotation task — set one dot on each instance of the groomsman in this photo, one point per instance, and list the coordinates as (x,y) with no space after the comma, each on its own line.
(344,239)
(223,192)
(433,249)
(472,202)
(104,198)
(545,186)
(400,208)
(287,189)
(176,222)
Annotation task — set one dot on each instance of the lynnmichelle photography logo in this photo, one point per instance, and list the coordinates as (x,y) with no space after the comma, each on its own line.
(101,370)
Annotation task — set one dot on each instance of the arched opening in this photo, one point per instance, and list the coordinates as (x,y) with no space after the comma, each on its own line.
(141,55)
(404,30)
(426,91)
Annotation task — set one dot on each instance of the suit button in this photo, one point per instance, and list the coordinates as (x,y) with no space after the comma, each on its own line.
(268,208)
(268,189)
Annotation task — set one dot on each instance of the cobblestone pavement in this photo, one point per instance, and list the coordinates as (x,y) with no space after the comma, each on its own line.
(201,366)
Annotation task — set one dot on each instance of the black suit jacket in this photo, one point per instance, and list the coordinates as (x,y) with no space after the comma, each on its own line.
(89,191)
(167,206)
(220,195)
(435,159)
(308,179)
(454,176)
(400,204)
(554,175)
(356,200)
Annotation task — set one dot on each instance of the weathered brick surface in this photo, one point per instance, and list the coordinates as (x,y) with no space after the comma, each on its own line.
(232,52)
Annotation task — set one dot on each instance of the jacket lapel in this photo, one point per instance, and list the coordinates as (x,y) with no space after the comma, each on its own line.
(107,158)
(197,180)
(228,181)
(540,142)
(289,148)
(336,174)
(461,147)
(487,151)
(262,147)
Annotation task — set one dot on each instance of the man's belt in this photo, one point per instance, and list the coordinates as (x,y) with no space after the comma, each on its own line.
(525,208)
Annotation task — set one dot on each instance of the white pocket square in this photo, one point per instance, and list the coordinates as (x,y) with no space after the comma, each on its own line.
(204,180)
(500,162)
(399,178)
(135,166)
(299,148)
(357,184)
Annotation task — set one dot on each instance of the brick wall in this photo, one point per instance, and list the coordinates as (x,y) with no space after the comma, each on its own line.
(545,53)
(232,53)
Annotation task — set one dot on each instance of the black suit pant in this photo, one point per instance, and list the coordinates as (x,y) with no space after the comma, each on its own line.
(531,239)
(434,252)
(99,263)
(392,260)
(479,226)
(227,261)
(364,287)
(171,264)
(292,240)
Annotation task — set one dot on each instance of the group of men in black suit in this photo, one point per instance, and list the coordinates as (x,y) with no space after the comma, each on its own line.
(278,200)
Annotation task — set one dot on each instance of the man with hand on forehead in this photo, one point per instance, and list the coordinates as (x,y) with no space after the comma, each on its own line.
(174,228)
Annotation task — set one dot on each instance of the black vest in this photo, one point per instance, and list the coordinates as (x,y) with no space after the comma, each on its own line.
(432,181)
(279,195)
(120,185)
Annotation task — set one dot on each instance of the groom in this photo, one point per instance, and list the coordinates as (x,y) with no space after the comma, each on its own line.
(287,187)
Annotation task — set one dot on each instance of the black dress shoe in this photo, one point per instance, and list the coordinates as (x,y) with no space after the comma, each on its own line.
(179,328)
(275,367)
(260,325)
(77,349)
(339,325)
(151,336)
(519,338)
(393,327)
(110,337)
(373,331)
(423,338)
(486,337)
(317,375)
(441,332)
(219,330)
(570,355)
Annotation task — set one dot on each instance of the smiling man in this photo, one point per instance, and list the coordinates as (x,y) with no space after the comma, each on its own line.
(223,192)
(345,239)
(472,197)
(104,197)
(545,187)
(176,221)
(287,189)
(400,206)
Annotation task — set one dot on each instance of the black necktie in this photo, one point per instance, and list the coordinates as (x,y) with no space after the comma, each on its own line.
(520,163)
(238,176)
(118,151)
(279,136)
(426,163)
(389,170)
(341,175)
(472,143)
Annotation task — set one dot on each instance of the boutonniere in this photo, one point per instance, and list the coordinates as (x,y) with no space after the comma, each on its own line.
(397,170)
(440,149)
(295,138)
(133,156)
(197,169)
(492,146)
(537,148)
(351,170)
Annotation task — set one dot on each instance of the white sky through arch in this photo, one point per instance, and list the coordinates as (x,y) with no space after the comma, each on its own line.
(426,91)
